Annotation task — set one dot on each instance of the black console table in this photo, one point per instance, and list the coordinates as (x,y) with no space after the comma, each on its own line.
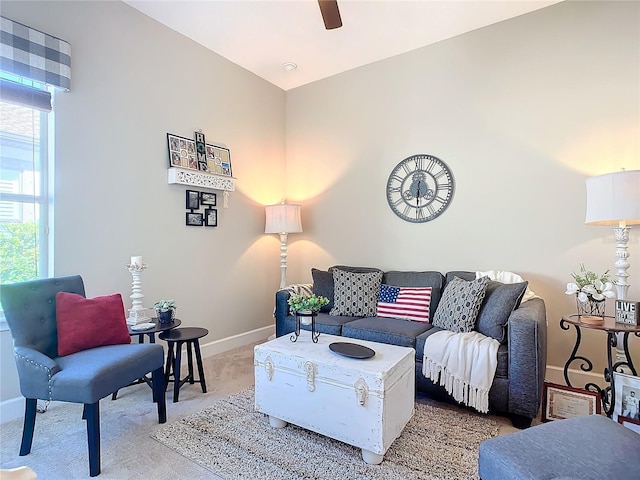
(608,325)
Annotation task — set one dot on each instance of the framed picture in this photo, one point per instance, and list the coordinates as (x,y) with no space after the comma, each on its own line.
(559,401)
(211,217)
(182,152)
(627,399)
(630,423)
(193,199)
(207,198)
(194,219)
(219,160)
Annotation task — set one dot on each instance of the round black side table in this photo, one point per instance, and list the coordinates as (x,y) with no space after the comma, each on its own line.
(175,338)
(151,333)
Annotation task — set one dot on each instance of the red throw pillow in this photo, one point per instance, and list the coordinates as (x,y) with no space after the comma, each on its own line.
(85,323)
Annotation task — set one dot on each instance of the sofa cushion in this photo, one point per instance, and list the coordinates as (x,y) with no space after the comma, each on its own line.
(325,323)
(460,304)
(502,370)
(323,286)
(420,339)
(407,303)
(432,279)
(85,323)
(348,268)
(500,300)
(385,330)
(463,274)
(355,294)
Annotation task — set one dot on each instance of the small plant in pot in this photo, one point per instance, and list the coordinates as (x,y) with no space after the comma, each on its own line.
(309,305)
(166,310)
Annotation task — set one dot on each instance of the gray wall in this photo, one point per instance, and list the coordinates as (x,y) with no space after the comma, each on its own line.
(134,80)
(522,112)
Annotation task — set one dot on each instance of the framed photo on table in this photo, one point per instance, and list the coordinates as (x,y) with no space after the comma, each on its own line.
(630,423)
(560,401)
(627,401)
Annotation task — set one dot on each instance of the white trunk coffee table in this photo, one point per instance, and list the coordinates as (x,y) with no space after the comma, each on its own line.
(363,402)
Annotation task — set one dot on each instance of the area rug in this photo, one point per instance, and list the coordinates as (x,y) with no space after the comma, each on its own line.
(233,441)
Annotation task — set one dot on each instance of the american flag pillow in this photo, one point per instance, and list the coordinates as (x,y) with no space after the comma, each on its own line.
(411,303)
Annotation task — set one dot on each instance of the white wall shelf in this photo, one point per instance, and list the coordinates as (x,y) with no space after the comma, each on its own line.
(195,178)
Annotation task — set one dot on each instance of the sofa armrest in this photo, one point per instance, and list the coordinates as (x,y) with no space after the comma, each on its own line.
(527,357)
(281,311)
(35,371)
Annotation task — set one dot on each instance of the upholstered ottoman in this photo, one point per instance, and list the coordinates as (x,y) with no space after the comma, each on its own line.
(363,402)
(590,447)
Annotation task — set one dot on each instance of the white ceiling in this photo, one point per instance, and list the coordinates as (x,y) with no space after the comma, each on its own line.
(261,35)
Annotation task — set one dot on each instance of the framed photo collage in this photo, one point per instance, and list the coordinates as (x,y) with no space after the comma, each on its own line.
(198,155)
(194,201)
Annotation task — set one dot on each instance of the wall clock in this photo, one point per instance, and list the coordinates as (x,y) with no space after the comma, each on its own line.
(420,188)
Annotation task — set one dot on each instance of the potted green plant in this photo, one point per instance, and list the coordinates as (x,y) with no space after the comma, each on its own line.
(311,305)
(166,310)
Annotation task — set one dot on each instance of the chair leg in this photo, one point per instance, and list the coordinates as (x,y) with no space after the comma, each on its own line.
(167,372)
(176,372)
(159,388)
(190,363)
(29,426)
(196,347)
(92,416)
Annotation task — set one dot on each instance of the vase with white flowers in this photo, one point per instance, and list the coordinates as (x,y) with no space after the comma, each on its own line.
(591,291)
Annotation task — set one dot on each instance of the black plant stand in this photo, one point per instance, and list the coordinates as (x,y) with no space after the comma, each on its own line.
(314,334)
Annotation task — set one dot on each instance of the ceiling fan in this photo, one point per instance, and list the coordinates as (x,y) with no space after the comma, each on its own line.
(330,14)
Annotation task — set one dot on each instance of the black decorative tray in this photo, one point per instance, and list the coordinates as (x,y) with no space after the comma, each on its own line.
(351,350)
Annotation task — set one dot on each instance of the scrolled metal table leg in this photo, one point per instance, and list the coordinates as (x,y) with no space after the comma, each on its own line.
(586,366)
(294,336)
(314,334)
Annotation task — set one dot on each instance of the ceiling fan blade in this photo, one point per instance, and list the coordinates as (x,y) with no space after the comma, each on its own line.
(330,14)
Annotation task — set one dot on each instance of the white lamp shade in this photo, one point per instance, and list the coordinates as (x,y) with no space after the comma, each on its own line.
(613,198)
(283,218)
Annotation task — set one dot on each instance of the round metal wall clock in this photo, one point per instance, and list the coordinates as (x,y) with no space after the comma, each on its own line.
(420,188)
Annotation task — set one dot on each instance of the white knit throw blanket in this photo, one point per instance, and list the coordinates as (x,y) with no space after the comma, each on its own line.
(464,364)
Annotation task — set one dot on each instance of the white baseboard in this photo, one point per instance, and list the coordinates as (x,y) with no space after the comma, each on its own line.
(14,407)
(11,409)
(578,378)
(235,341)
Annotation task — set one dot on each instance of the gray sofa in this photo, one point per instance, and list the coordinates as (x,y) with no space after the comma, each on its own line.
(521,329)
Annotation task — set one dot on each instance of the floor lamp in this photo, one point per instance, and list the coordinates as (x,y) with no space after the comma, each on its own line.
(283,219)
(614,199)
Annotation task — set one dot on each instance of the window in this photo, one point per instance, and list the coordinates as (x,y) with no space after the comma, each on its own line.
(29,60)
(23,188)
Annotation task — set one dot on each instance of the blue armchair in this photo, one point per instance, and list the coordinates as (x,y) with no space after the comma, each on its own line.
(83,377)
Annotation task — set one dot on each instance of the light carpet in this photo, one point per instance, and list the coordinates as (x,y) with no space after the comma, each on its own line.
(232,440)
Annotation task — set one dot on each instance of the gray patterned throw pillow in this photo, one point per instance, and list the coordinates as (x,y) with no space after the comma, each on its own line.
(355,294)
(460,304)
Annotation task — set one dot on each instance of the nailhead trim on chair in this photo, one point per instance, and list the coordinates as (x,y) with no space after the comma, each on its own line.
(39,365)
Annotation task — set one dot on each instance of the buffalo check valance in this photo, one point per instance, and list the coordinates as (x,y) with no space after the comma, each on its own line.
(34,55)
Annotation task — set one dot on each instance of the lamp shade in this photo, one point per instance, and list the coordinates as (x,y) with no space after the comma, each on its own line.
(613,198)
(283,218)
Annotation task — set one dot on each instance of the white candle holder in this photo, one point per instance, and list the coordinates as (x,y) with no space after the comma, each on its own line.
(137,313)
